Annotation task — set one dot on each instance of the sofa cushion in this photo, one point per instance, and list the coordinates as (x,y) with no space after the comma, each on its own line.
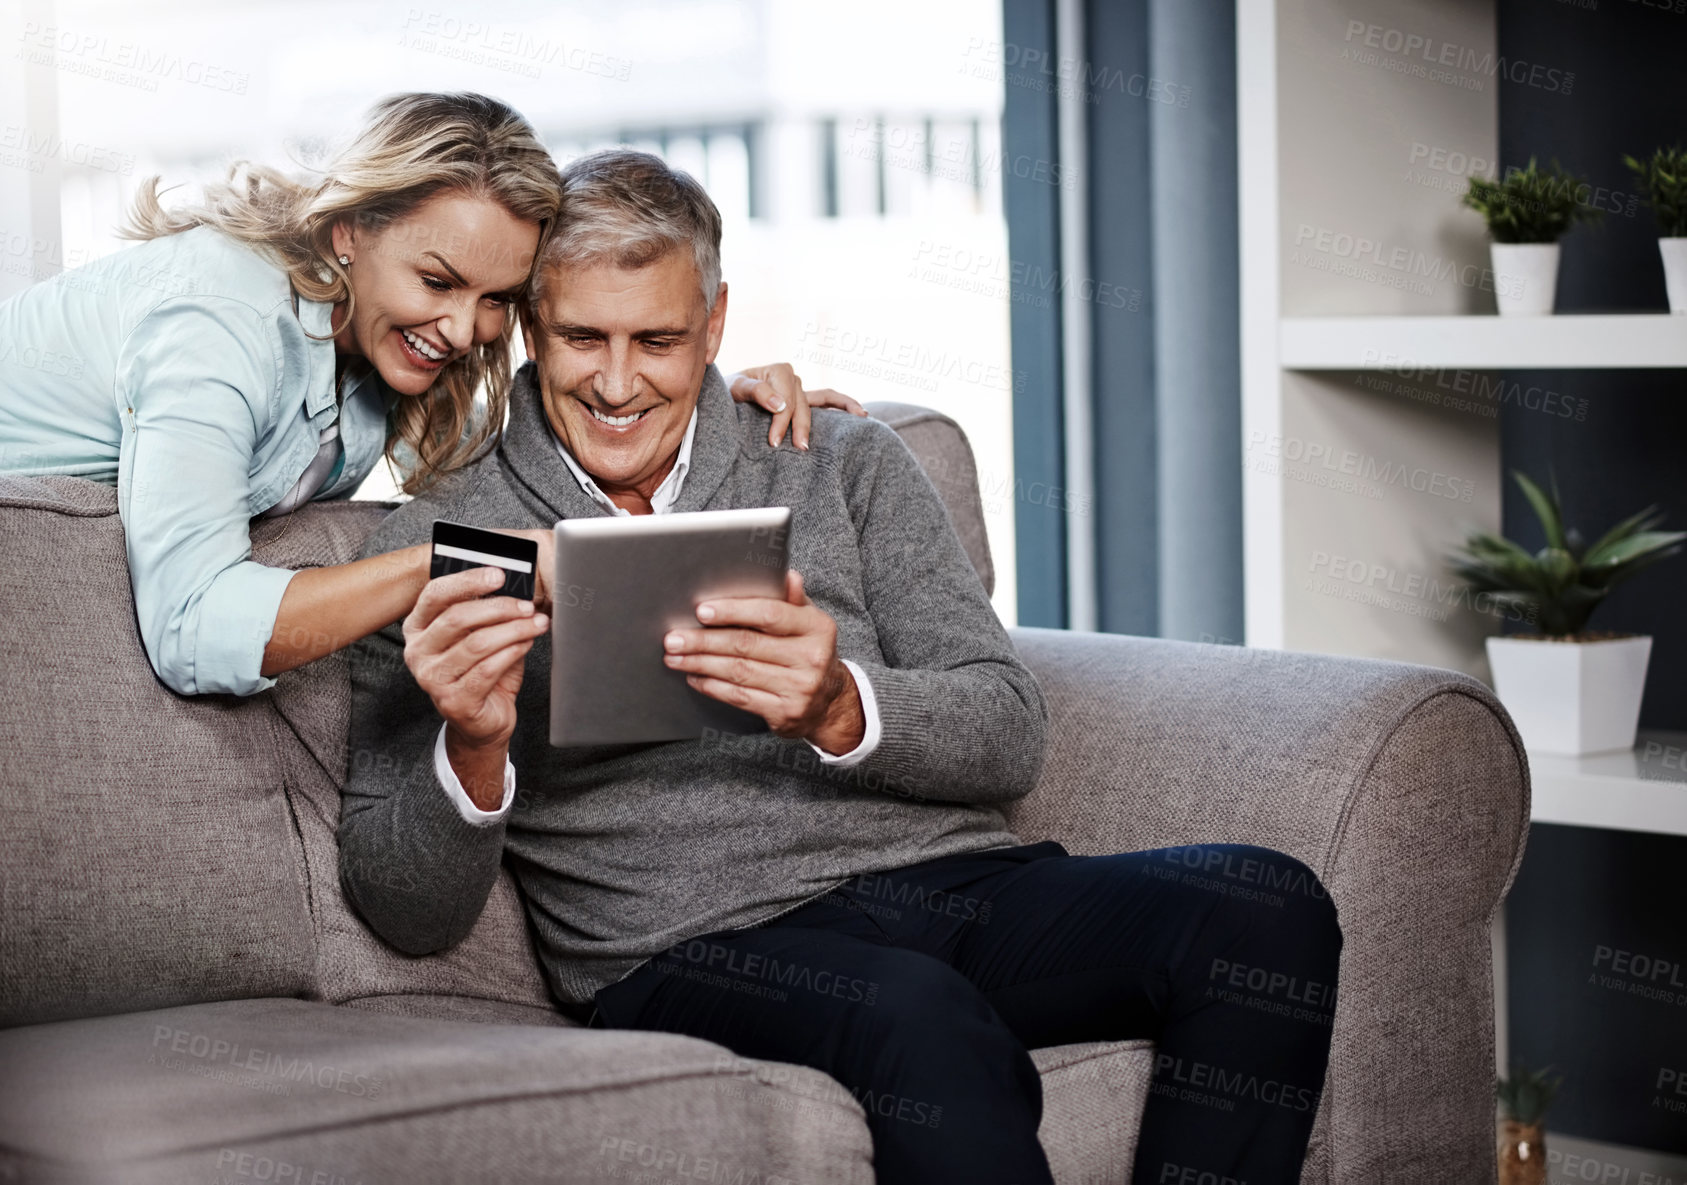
(471,1009)
(148,855)
(212,1091)
(1093,1095)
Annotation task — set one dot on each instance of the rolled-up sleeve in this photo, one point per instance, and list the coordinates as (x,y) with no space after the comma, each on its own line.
(196,382)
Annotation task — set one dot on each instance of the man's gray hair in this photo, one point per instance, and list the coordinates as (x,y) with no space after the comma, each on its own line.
(631,209)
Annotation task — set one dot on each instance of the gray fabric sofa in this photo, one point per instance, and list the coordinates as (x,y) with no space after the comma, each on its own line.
(186,996)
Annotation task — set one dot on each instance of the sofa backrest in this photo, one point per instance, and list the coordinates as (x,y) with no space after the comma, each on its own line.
(158,849)
(947,459)
(147,857)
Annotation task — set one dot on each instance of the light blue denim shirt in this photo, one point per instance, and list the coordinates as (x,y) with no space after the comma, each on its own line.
(179,371)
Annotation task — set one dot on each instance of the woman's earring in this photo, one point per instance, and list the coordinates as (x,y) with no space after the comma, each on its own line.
(345,261)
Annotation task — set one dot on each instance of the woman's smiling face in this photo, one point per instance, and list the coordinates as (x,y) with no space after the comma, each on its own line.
(432,285)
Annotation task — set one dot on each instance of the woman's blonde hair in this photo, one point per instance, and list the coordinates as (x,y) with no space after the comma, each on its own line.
(412,147)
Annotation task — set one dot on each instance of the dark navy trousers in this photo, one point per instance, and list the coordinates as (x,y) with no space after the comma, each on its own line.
(920,991)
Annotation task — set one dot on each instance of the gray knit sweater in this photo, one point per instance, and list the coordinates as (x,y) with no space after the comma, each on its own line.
(622,851)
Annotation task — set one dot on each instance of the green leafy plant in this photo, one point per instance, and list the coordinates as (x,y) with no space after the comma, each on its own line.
(1530,205)
(1525,1096)
(1663,185)
(1560,585)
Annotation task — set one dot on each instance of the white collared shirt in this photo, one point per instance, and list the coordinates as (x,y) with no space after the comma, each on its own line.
(661,502)
(666,494)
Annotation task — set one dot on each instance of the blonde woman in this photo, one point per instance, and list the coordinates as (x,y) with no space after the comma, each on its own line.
(267,347)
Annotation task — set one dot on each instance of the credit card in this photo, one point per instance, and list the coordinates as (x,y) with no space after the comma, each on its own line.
(457,548)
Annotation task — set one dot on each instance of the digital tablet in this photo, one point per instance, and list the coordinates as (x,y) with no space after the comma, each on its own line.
(621,585)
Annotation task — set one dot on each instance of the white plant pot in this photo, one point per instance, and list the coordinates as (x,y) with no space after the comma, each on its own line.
(1674,252)
(1572,697)
(1525,278)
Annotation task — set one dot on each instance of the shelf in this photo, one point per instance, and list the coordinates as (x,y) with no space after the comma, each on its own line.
(1644,789)
(1602,341)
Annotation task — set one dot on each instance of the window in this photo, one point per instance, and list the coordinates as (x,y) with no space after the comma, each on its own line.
(852,150)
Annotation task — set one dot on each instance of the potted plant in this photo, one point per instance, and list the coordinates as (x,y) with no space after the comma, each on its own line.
(1523,1100)
(1568,689)
(1528,211)
(1663,185)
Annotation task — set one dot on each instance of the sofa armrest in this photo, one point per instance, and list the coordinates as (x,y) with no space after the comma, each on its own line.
(1155,742)
(1404,787)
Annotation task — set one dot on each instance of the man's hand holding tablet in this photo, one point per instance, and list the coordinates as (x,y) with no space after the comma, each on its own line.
(770,657)
(777,659)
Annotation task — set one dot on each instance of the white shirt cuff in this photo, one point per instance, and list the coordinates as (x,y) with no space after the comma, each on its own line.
(869,709)
(459,797)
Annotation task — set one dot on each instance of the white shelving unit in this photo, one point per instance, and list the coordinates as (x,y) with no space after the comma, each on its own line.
(1331,134)
(1606,341)
(1644,789)
(1373,362)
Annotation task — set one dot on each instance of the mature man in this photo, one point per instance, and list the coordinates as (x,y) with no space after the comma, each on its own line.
(844,892)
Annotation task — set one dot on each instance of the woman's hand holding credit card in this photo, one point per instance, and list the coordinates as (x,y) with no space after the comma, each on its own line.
(525,557)
(466,643)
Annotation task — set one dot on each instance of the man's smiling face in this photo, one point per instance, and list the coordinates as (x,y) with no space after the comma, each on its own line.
(621,355)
